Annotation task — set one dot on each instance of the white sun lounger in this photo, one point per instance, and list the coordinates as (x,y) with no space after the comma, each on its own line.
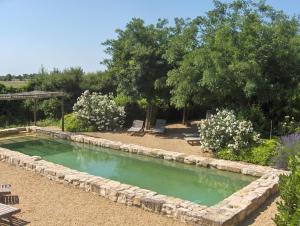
(8,211)
(137,126)
(191,134)
(192,140)
(159,126)
(5,189)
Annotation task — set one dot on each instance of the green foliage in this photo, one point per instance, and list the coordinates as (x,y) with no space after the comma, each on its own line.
(241,54)
(256,116)
(68,81)
(50,107)
(102,82)
(73,124)
(288,126)
(49,122)
(137,59)
(261,154)
(289,187)
(123,100)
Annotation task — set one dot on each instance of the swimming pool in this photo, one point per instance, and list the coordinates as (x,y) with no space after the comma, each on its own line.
(200,185)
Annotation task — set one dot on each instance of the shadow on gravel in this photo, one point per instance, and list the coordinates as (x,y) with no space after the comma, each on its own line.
(251,219)
(15,222)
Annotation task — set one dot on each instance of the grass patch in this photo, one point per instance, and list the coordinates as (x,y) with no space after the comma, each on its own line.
(49,122)
(14,83)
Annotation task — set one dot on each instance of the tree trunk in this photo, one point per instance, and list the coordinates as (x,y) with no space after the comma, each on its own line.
(184,115)
(148,117)
(150,114)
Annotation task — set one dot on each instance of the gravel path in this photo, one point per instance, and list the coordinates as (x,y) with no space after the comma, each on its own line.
(45,202)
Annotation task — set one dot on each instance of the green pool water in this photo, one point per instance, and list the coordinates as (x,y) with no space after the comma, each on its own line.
(196,184)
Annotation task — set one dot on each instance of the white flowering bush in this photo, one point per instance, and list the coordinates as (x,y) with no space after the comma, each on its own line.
(99,111)
(224,130)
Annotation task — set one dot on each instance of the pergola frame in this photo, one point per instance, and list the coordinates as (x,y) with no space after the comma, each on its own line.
(35,96)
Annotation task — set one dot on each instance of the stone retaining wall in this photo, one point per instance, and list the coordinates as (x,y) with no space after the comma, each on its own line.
(230,211)
(10,131)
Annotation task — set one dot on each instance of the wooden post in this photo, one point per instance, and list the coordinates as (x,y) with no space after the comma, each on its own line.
(34,111)
(62,114)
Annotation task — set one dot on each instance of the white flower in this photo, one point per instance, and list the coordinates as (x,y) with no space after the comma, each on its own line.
(100,110)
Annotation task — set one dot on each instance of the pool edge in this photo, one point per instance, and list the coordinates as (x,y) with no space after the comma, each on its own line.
(230,211)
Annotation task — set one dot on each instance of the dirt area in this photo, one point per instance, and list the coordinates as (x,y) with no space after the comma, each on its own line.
(172,140)
(45,202)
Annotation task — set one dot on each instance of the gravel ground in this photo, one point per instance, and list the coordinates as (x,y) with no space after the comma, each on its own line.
(172,140)
(45,202)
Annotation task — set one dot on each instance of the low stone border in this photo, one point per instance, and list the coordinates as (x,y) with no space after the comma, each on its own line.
(230,211)
(10,131)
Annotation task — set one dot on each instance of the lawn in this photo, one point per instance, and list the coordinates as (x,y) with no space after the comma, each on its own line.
(14,83)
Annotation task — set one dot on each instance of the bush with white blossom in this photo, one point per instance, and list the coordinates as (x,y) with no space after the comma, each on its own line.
(224,130)
(99,111)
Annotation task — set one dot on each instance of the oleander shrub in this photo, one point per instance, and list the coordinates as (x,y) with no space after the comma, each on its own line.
(99,111)
(289,188)
(261,154)
(225,130)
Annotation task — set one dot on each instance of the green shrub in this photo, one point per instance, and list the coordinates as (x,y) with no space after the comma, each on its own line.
(73,124)
(123,100)
(48,122)
(288,126)
(256,116)
(261,154)
(289,188)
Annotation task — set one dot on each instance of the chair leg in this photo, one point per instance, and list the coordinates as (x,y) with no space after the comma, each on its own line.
(10,221)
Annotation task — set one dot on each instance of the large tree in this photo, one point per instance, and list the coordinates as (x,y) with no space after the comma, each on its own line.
(182,55)
(137,62)
(247,55)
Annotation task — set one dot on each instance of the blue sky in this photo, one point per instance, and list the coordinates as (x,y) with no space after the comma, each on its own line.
(64,33)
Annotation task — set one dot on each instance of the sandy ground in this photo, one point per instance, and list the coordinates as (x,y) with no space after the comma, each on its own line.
(264,215)
(172,140)
(45,202)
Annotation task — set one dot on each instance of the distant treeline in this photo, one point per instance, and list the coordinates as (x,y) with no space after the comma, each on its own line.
(10,77)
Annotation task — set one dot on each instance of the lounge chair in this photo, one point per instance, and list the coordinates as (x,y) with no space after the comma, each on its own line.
(7,212)
(159,126)
(191,134)
(5,189)
(137,127)
(9,199)
(192,140)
